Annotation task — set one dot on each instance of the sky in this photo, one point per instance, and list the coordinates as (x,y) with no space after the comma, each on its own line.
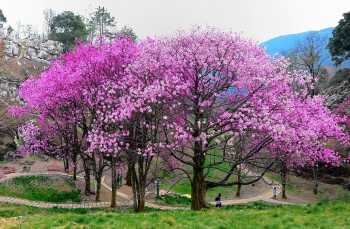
(256,19)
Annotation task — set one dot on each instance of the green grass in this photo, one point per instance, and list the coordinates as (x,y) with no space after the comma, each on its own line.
(323,215)
(41,188)
(184,187)
(174,200)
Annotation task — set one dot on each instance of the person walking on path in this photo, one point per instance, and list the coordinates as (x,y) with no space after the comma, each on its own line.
(274,192)
(218,201)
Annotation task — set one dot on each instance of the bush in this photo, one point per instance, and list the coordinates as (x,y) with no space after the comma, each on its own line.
(175,199)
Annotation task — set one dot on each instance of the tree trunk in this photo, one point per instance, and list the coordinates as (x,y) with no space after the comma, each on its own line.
(239,185)
(315,173)
(66,164)
(198,189)
(75,173)
(98,188)
(128,181)
(87,178)
(141,200)
(75,169)
(284,180)
(114,183)
(138,187)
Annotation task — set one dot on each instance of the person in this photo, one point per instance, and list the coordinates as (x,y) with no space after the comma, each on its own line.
(274,192)
(218,201)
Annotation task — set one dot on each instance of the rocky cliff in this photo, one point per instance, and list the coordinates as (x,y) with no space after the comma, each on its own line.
(19,59)
(338,88)
(32,48)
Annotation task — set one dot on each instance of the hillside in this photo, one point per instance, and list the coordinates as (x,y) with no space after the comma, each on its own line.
(19,59)
(285,43)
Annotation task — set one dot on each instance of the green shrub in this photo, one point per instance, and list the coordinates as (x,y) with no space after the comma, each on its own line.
(175,199)
(41,188)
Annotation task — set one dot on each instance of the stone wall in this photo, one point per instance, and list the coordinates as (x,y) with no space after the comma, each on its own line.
(8,89)
(32,48)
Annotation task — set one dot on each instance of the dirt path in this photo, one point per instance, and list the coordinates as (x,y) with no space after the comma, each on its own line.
(41,204)
(124,195)
(124,191)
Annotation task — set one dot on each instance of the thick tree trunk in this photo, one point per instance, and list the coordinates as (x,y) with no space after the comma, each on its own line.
(198,189)
(239,185)
(114,183)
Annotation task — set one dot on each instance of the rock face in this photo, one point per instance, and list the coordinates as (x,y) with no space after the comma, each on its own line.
(337,93)
(8,96)
(8,89)
(34,48)
(338,88)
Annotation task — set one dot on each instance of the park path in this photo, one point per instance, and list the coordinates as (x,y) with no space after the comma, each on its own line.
(41,204)
(266,197)
(124,193)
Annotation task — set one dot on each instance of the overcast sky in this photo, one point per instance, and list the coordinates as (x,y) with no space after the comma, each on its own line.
(258,19)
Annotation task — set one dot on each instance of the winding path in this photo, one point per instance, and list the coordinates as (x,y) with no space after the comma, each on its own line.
(41,204)
(267,197)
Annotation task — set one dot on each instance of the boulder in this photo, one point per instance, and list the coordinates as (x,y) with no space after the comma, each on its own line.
(15,50)
(31,52)
(43,55)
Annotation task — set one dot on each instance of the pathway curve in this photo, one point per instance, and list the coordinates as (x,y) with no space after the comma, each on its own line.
(126,197)
(266,197)
(41,204)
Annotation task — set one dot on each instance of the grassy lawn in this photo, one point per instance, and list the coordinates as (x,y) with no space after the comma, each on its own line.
(183,186)
(41,188)
(323,215)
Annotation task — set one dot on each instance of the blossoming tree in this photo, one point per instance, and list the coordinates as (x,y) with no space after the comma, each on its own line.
(190,98)
(65,96)
(223,86)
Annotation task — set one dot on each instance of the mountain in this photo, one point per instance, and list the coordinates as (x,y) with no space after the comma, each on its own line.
(284,44)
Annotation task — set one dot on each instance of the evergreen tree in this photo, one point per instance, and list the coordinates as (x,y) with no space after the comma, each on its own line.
(101,23)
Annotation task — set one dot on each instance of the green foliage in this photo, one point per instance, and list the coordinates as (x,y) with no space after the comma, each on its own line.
(174,199)
(184,187)
(40,188)
(67,28)
(127,32)
(257,215)
(2,17)
(101,23)
(339,44)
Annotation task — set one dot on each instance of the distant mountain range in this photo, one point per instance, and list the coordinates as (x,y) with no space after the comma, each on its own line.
(283,44)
